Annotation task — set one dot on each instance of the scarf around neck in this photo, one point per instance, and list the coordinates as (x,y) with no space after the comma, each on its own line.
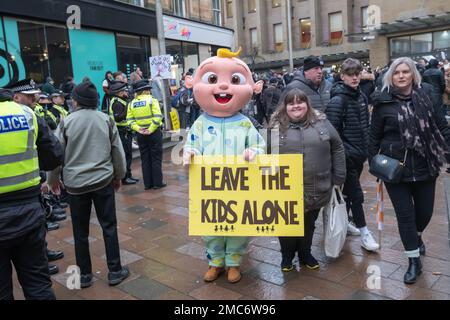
(418,128)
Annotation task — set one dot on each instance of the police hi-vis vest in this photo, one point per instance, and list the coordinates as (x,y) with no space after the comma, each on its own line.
(144,112)
(19,165)
(123,123)
(62,112)
(44,114)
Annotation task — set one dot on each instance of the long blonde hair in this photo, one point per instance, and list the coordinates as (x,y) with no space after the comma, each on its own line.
(387,79)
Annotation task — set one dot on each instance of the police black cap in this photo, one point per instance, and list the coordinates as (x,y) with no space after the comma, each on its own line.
(116,87)
(141,85)
(58,93)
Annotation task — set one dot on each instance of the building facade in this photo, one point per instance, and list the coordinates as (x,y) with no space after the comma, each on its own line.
(42,38)
(335,30)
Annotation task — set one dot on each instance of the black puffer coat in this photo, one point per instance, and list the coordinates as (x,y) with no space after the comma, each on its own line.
(348,113)
(385,137)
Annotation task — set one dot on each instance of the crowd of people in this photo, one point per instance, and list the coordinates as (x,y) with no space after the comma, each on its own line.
(49,160)
(398,112)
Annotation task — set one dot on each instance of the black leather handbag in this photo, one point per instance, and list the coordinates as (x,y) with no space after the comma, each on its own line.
(386,168)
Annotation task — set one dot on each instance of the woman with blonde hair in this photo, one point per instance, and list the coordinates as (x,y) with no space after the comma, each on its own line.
(406,127)
(305,130)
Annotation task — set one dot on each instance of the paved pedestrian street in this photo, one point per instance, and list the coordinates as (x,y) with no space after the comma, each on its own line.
(166,263)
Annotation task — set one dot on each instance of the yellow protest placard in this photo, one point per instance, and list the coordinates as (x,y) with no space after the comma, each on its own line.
(231,197)
(175,120)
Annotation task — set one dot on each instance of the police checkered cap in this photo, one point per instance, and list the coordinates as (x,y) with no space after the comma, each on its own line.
(27,86)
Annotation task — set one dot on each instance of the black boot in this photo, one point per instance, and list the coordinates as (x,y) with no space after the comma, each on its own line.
(422,249)
(414,270)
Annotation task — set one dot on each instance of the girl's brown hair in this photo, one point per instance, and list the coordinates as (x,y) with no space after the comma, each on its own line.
(281,117)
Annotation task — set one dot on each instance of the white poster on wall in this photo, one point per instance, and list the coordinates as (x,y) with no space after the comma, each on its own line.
(160,66)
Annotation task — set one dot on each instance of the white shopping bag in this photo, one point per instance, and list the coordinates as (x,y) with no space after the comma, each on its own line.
(335,223)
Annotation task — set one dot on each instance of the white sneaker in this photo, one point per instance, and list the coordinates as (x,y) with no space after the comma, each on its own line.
(352,230)
(368,242)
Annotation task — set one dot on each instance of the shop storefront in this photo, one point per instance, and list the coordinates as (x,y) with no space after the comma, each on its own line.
(426,36)
(190,42)
(35,41)
(420,45)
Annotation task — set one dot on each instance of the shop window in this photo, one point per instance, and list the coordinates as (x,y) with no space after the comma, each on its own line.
(251,6)
(278,37)
(133,52)
(229,8)
(421,43)
(34,50)
(185,56)
(59,53)
(336,29)
(45,51)
(305,33)
(190,56)
(441,39)
(400,46)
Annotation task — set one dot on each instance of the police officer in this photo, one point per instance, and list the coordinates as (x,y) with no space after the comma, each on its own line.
(118,112)
(26,144)
(42,110)
(144,117)
(25,92)
(57,105)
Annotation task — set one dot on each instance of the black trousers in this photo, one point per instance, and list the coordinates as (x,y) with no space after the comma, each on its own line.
(301,245)
(151,151)
(29,256)
(127,139)
(105,207)
(353,193)
(413,204)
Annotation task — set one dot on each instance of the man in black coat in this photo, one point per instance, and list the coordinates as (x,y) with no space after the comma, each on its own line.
(310,80)
(348,113)
(434,76)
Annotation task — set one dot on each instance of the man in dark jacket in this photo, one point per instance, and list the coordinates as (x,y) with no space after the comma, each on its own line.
(436,79)
(271,97)
(311,82)
(348,113)
(118,112)
(22,223)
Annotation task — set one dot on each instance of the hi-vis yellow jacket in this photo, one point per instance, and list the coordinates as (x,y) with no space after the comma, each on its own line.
(144,112)
(19,165)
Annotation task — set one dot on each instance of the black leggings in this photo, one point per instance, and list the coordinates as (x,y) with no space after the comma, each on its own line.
(413,204)
(289,245)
